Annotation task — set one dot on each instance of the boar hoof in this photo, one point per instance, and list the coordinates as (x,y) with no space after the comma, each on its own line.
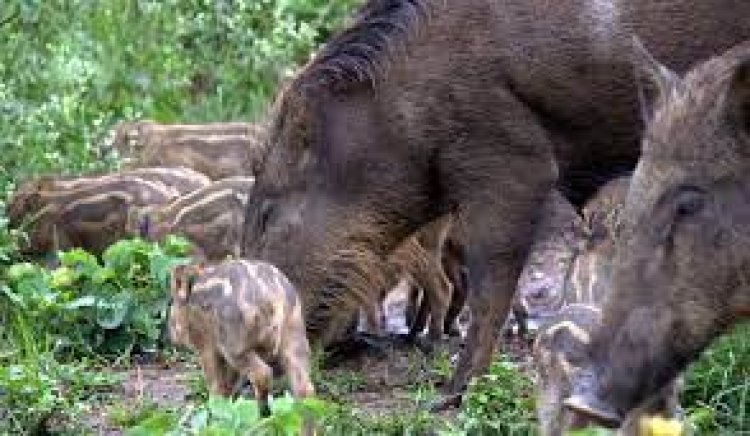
(593,409)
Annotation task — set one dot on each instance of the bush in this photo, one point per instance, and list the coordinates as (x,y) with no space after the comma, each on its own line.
(83,307)
(70,70)
(500,402)
(37,391)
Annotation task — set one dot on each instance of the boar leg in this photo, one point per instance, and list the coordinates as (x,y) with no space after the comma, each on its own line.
(296,361)
(498,214)
(219,377)
(259,373)
(438,291)
(453,263)
(419,310)
(412,305)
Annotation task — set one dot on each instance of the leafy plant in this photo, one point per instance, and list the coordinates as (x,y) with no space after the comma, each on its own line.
(222,416)
(85,307)
(500,402)
(37,390)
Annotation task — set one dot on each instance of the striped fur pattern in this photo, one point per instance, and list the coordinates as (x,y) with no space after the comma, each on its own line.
(211,217)
(561,342)
(131,138)
(241,317)
(218,150)
(180,180)
(90,215)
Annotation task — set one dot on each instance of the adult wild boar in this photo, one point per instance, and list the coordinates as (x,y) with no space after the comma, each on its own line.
(420,107)
(559,348)
(680,270)
(559,351)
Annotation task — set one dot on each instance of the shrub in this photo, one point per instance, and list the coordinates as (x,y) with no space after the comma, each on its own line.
(84,307)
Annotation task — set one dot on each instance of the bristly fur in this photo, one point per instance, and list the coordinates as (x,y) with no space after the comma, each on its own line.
(359,54)
(362,52)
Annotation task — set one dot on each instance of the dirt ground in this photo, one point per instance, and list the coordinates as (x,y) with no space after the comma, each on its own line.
(377,383)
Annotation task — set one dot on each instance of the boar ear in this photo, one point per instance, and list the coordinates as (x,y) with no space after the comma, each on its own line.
(659,79)
(738,98)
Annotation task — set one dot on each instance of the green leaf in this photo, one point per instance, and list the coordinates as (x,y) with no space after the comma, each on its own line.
(158,423)
(111,313)
(86,301)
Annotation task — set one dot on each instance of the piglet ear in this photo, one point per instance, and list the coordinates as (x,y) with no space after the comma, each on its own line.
(653,80)
(738,98)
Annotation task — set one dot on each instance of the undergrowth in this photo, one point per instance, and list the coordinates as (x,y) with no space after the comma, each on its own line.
(71,70)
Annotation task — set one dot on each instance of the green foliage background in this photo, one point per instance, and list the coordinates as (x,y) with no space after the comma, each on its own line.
(70,70)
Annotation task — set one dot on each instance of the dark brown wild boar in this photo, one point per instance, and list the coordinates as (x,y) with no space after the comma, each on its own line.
(90,215)
(679,275)
(210,217)
(241,317)
(421,107)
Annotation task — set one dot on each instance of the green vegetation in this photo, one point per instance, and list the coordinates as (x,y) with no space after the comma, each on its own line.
(69,71)
(220,416)
(501,402)
(716,394)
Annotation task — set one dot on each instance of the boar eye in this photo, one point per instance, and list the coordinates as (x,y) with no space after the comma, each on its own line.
(690,201)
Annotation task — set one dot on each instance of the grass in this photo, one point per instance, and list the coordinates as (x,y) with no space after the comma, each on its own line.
(69,71)
(716,394)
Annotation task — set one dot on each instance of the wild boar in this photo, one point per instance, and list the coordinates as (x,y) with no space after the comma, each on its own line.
(420,258)
(241,316)
(679,272)
(420,107)
(559,351)
(210,217)
(132,138)
(546,270)
(90,215)
(218,150)
(590,275)
(179,180)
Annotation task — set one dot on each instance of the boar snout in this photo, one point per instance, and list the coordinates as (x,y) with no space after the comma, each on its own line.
(588,408)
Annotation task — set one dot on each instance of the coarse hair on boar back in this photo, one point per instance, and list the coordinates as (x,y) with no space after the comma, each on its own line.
(680,272)
(357,57)
(487,107)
